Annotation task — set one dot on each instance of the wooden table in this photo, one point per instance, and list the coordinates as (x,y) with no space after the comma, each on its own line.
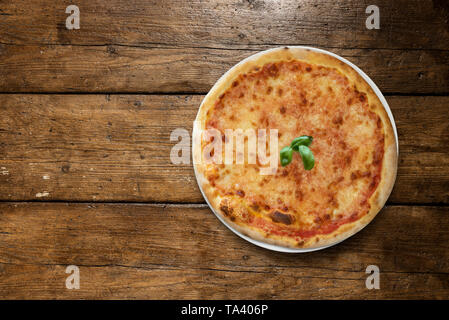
(86,178)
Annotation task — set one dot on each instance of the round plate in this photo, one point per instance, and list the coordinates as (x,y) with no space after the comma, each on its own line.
(376,91)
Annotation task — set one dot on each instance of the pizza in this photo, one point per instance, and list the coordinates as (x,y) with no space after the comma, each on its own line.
(298,91)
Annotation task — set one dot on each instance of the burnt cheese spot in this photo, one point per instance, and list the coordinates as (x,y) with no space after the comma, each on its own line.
(379,123)
(348,159)
(227,211)
(240,193)
(362,97)
(255,207)
(299,195)
(332,200)
(271,70)
(377,158)
(338,120)
(280,217)
(358,174)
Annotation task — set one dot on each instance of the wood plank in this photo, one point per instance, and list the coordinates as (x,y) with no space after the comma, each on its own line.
(115,282)
(404,24)
(123,252)
(111,68)
(117,148)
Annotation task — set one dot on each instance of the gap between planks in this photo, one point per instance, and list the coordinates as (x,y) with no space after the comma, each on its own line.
(188,93)
(188,204)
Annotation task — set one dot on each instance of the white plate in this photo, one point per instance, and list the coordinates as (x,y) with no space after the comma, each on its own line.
(376,91)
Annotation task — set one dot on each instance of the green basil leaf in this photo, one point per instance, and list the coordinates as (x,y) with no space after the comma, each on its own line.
(301,141)
(286,156)
(307,157)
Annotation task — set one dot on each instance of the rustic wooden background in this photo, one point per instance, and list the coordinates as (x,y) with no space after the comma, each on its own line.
(85,119)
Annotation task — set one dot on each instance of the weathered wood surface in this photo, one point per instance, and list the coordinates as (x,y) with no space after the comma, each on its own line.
(184,46)
(117,148)
(405,24)
(112,68)
(123,251)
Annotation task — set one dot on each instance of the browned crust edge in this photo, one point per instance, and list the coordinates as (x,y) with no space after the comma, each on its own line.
(389,165)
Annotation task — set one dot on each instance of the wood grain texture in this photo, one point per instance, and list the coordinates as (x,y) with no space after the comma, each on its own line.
(404,24)
(112,68)
(117,148)
(180,46)
(123,252)
(110,147)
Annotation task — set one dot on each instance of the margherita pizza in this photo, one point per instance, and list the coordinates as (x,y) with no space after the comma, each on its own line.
(299,91)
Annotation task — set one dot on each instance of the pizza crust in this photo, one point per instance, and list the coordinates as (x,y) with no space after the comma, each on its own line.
(389,164)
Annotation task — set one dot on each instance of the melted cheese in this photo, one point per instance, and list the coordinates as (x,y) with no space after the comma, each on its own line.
(298,98)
